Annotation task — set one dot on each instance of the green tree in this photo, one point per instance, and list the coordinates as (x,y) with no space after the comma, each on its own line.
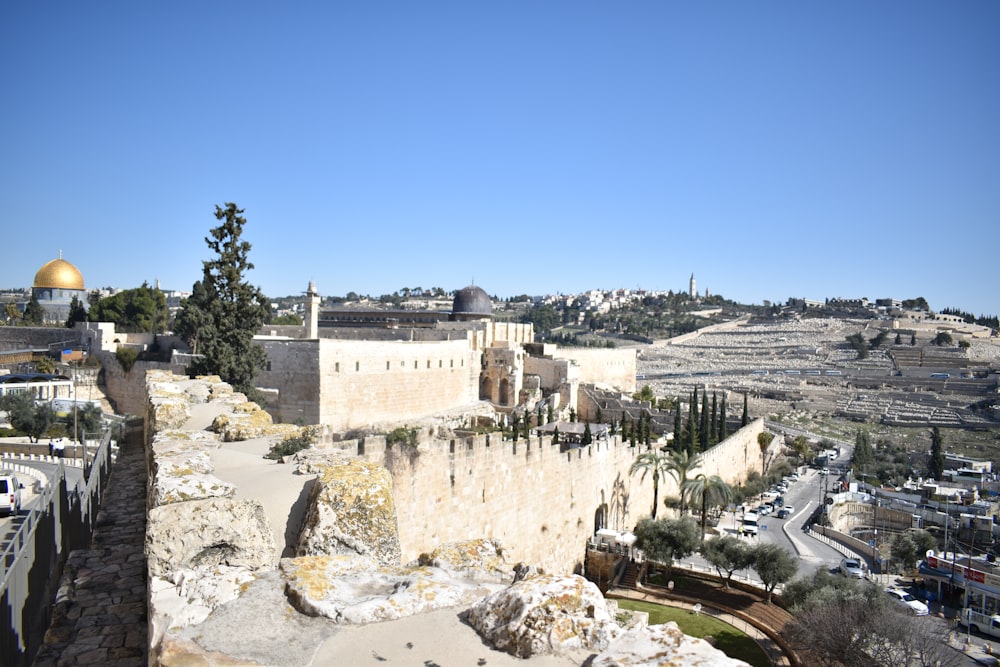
(746,412)
(703,425)
(224,312)
(34,314)
(143,309)
(909,547)
(680,464)
(857,341)
(764,440)
(555,436)
(550,415)
(773,565)
(801,447)
(645,394)
(707,491)
(935,466)
(667,540)
(587,435)
(77,313)
(515,427)
(723,427)
(913,339)
(899,339)
(713,434)
(727,554)
(943,338)
(290,319)
(678,432)
(11,313)
(89,421)
(25,416)
(864,455)
(654,464)
(45,365)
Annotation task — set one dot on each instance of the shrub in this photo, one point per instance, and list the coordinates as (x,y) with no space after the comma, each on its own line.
(402,436)
(289,446)
(126,357)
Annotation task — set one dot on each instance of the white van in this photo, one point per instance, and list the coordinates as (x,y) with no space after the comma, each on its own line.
(749,525)
(10,493)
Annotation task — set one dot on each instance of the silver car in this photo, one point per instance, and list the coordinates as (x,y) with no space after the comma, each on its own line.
(852,567)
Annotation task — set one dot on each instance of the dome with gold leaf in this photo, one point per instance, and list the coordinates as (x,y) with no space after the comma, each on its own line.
(59,274)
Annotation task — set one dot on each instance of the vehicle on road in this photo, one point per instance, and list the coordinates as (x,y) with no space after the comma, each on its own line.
(783,513)
(749,525)
(977,621)
(903,598)
(10,493)
(852,567)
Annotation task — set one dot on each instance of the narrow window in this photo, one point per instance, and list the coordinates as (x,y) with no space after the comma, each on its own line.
(336,367)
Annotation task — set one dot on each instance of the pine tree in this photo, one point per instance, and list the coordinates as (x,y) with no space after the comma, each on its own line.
(224,312)
(77,313)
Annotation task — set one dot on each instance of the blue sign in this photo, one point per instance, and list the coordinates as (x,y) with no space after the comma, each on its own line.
(763,527)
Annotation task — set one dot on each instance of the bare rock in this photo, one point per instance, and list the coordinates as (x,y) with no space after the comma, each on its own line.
(218,531)
(247,421)
(351,511)
(481,560)
(189,596)
(662,645)
(257,628)
(319,586)
(545,614)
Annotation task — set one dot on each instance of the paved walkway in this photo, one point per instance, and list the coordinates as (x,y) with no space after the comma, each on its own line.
(99,616)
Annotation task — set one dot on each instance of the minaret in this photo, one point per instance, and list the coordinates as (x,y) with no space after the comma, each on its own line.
(692,289)
(312,310)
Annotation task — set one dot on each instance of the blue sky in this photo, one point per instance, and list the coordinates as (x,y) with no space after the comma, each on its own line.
(774,149)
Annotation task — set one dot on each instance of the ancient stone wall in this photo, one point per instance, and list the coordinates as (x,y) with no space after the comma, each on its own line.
(613,367)
(127,390)
(29,338)
(542,503)
(362,383)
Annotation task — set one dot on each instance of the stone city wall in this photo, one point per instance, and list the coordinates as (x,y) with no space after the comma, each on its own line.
(542,503)
(614,367)
(363,383)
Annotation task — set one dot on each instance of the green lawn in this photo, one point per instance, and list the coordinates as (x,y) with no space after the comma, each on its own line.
(728,639)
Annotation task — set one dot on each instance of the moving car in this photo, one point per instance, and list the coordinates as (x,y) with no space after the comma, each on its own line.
(783,513)
(749,525)
(10,493)
(852,567)
(915,606)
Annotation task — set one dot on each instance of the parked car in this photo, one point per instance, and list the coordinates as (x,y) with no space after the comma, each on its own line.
(783,513)
(10,493)
(917,607)
(852,567)
(790,508)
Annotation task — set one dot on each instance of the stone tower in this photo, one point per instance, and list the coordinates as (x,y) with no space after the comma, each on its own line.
(312,310)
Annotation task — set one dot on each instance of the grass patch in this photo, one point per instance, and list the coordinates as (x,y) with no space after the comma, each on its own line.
(729,640)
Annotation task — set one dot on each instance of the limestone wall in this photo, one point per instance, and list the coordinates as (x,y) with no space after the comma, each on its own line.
(293,370)
(602,366)
(363,383)
(127,391)
(541,503)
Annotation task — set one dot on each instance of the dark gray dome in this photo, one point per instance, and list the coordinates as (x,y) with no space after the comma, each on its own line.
(472,300)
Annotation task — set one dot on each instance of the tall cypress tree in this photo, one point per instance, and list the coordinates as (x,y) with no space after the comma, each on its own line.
(703,426)
(224,312)
(746,412)
(935,467)
(677,425)
(723,427)
(713,434)
(692,430)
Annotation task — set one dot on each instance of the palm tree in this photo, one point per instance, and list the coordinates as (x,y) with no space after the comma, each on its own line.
(656,465)
(708,490)
(680,464)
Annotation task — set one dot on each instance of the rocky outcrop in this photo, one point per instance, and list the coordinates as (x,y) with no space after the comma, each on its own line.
(545,614)
(350,511)
(319,586)
(218,531)
(659,645)
(248,420)
(181,469)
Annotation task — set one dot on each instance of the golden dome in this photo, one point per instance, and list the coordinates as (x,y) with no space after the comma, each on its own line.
(59,274)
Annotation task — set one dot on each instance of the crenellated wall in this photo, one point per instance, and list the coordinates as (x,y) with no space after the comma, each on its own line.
(544,504)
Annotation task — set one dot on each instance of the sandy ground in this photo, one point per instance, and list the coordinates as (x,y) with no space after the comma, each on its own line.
(436,638)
